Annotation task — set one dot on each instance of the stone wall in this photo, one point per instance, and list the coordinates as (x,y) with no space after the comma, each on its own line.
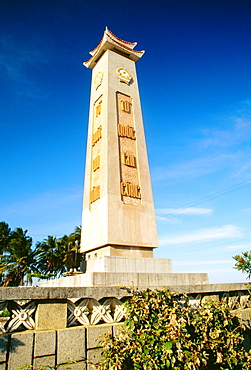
(60,327)
(75,348)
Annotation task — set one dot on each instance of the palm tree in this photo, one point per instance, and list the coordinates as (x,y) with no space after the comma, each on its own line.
(4,240)
(53,254)
(50,255)
(72,245)
(72,241)
(76,235)
(17,262)
(4,236)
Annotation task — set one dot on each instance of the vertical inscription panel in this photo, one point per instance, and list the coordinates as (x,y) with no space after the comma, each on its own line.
(96,152)
(130,181)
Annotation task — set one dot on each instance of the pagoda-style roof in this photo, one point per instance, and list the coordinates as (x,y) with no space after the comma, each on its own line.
(111,42)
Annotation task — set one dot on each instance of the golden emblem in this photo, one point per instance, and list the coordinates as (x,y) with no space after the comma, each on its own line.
(98,79)
(124,75)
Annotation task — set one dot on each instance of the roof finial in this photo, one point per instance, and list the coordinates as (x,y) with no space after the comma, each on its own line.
(112,42)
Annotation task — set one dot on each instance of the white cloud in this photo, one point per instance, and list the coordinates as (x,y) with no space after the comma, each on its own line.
(204,235)
(41,203)
(239,131)
(41,230)
(248,210)
(16,57)
(195,167)
(198,263)
(56,212)
(170,220)
(239,247)
(222,148)
(243,170)
(17,60)
(184,211)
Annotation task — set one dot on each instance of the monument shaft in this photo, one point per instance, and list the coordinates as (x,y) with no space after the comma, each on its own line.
(118,211)
(118,225)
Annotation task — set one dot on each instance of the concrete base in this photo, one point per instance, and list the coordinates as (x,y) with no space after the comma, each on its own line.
(129,264)
(141,280)
(120,251)
(111,271)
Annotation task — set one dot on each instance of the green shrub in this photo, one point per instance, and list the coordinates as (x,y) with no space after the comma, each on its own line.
(162,332)
(243,263)
(5,313)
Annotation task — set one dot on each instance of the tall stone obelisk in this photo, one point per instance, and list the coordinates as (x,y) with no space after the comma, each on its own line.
(118,226)
(118,211)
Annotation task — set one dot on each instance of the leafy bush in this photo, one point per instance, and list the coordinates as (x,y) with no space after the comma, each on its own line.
(162,332)
(243,263)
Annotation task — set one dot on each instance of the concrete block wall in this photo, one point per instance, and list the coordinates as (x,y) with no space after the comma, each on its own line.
(53,345)
(75,348)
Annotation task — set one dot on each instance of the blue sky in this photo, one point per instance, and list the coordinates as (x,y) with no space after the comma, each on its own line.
(195,85)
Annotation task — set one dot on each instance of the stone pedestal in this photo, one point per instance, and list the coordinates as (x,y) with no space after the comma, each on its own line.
(140,280)
(127,271)
(129,265)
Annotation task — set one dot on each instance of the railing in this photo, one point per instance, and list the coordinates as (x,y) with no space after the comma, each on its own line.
(86,311)
(28,304)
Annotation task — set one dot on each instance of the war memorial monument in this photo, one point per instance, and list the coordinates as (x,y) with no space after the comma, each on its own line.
(119,226)
(59,323)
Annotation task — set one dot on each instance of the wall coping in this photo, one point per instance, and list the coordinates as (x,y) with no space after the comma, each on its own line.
(29,293)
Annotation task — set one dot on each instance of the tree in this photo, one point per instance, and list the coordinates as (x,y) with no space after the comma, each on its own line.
(4,236)
(243,263)
(73,255)
(20,262)
(4,239)
(50,256)
(162,331)
(17,262)
(76,235)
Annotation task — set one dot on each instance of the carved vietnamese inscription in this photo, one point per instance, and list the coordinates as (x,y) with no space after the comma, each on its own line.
(130,181)
(96,152)
(96,163)
(95,194)
(128,159)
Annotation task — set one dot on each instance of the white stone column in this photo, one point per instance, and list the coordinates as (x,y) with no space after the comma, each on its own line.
(118,212)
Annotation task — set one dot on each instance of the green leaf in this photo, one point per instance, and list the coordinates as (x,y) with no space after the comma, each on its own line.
(130,324)
(168,363)
(168,346)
